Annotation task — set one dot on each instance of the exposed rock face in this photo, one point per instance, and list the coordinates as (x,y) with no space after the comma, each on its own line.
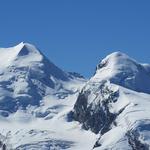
(136,137)
(135,143)
(95,114)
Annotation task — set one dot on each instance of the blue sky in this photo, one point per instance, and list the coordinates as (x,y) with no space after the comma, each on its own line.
(77,34)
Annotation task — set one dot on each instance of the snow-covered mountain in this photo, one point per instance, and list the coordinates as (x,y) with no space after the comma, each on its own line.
(115,103)
(122,70)
(27,76)
(34,94)
(45,108)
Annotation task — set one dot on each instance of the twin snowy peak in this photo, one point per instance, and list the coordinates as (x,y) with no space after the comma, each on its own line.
(42,99)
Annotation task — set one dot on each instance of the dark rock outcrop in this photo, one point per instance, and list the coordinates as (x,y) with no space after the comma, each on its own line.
(95,115)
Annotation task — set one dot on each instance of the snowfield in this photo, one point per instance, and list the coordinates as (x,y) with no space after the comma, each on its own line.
(45,108)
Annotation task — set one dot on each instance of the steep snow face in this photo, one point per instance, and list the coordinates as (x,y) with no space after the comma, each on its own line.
(27,76)
(122,70)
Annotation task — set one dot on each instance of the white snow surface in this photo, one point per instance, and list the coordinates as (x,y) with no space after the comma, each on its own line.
(122,70)
(12,55)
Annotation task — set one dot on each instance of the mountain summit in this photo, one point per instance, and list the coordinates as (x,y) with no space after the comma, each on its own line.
(27,76)
(122,70)
(23,50)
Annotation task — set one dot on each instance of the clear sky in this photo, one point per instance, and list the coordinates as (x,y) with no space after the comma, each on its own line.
(77,34)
